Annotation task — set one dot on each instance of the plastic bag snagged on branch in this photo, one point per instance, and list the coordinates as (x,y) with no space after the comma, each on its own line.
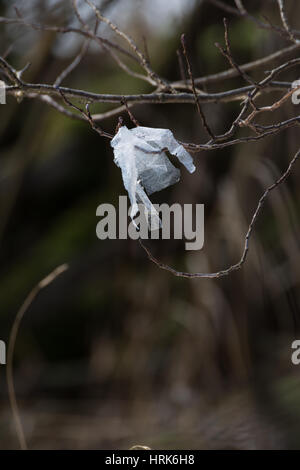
(146,169)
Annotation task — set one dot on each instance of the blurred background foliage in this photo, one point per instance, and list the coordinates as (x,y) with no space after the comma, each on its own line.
(116,352)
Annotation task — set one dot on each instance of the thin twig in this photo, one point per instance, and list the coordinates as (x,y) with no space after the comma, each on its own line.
(200,111)
(231,73)
(66,30)
(228,54)
(284,20)
(181,68)
(10,72)
(239,264)
(141,57)
(133,119)
(11,347)
(72,66)
(86,113)
(146,49)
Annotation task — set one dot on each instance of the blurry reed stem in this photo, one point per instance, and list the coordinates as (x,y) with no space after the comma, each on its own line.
(11,347)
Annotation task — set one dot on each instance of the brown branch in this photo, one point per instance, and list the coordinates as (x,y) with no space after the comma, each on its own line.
(78,58)
(243,13)
(132,118)
(72,65)
(65,30)
(228,54)
(239,264)
(285,23)
(10,72)
(200,111)
(87,115)
(240,7)
(213,78)
(141,57)
(181,69)
(155,98)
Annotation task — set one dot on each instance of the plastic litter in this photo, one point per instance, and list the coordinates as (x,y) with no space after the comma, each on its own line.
(141,155)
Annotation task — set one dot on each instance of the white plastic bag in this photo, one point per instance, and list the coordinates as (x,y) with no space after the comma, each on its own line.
(146,169)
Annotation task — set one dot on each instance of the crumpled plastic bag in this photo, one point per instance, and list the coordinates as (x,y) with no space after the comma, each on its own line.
(146,169)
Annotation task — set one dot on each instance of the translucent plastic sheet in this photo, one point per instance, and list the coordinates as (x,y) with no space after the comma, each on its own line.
(146,169)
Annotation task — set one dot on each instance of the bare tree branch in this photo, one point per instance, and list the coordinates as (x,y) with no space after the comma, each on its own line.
(239,264)
(168,92)
(285,21)
(200,111)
